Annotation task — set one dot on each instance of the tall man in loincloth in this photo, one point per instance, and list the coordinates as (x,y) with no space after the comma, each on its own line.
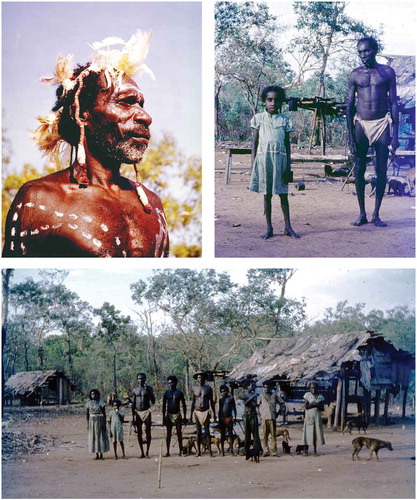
(89,209)
(172,402)
(372,120)
(200,407)
(143,398)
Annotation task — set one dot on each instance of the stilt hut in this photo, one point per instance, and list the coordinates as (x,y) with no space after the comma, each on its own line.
(350,368)
(38,387)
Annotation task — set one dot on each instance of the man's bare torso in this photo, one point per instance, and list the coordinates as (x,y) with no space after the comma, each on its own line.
(202,395)
(54,217)
(173,400)
(142,398)
(372,88)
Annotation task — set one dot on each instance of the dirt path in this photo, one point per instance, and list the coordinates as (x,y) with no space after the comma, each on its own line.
(68,471)
(321,214)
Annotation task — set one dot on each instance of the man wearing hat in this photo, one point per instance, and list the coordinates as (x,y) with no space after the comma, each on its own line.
(202,402)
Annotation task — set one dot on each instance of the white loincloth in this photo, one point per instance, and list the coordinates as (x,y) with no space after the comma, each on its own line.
(373,129)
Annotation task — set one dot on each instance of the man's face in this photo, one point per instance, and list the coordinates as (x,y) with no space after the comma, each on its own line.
(141,379)
(366,53)
(224,393)
(200,379)
(267,389)
(118,127)
(172,385)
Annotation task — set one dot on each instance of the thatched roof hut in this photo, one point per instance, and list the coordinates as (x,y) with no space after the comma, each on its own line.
(348,365)
(38,387)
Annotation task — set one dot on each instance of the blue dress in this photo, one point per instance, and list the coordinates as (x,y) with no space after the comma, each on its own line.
(271,155)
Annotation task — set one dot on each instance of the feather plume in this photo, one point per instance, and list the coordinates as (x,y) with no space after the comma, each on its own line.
(47,137)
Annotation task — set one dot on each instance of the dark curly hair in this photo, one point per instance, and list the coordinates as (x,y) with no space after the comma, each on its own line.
(273,88)
(372,42)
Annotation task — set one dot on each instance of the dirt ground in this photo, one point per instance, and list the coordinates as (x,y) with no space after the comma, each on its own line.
(321,215)
(66,470)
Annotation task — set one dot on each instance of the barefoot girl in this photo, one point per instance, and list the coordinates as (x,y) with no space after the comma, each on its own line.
(116,419)
(98,441)
(271,156)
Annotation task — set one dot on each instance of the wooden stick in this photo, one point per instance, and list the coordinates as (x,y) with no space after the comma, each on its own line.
(160,465)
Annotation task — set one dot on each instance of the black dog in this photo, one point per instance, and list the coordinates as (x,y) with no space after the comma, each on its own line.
(286,448)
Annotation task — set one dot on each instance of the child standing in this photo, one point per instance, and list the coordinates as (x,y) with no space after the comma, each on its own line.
(271,156)
(98,440)
(116,419)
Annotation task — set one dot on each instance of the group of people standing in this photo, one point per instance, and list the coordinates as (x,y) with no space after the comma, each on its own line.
(203,410)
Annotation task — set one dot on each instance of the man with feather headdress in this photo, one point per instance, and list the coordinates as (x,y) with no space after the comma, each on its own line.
(89,209)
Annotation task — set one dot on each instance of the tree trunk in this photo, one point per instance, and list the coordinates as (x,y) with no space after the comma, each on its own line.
(70,363)
(6,275)
(114,375)
(25,347)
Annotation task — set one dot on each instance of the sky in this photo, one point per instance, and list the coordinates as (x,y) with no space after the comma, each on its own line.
(398,19)
(322,286)
(34,33)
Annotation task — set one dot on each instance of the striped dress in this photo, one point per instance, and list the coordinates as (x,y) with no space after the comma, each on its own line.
(271,155)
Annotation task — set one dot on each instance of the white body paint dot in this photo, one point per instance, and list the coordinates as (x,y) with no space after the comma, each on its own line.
(59,214)
(104,227)
(15,216)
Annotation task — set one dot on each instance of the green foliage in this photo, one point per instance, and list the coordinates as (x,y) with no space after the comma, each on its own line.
(397,324)
(247,58)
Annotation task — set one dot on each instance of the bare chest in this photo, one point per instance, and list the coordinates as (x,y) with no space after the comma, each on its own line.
(371,78)
(83,224)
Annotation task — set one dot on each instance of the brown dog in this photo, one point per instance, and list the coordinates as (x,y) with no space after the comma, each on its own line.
(283,433)
(214,441)
(371,443)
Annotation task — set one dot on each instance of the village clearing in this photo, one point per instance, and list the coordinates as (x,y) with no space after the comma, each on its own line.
(61,466)
(322,214)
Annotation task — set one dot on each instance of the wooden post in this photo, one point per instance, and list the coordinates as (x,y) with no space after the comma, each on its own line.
(367,404)
(377,402)
(345,394)
(229,167)
(404,401)
(386,404)
(160,465)
(323,132)
(338,403)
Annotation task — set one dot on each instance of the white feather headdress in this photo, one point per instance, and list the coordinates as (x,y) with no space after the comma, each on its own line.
(129,60)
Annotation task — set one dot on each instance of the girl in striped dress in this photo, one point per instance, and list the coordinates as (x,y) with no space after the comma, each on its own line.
(98,440)
(271,161)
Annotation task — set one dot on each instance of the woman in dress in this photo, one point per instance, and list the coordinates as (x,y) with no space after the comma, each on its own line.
(313,425)
(98,440)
